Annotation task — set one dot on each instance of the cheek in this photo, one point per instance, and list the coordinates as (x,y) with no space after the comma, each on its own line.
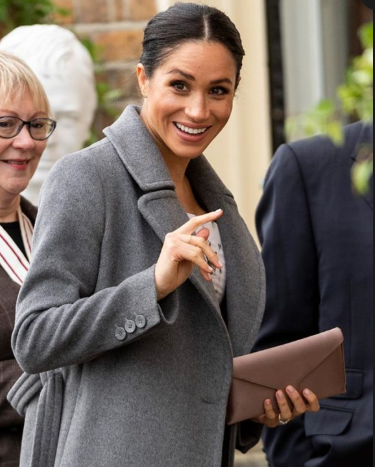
(227,109)
(163,106)
(39,150)
(4,145)
(223,112)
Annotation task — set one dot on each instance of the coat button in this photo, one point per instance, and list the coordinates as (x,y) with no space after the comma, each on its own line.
(130,327)
(120,334)
(141,322)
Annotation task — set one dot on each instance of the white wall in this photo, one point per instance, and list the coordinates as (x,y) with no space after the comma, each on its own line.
(315,49)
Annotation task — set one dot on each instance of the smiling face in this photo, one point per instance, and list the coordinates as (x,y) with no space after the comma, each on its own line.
(189,99)
(19,156)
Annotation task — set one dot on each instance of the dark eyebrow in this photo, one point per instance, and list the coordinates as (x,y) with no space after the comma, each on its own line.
(222,81)
(191,78)
(185,75)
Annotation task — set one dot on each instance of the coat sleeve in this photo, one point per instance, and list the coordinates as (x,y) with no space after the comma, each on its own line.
(286,232)
(61,319)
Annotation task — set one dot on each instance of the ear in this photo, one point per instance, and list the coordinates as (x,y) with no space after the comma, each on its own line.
(143,81)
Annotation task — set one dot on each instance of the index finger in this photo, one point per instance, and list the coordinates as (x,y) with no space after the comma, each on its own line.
(199,221)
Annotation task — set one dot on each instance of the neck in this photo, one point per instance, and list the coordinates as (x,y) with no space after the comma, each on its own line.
(9,209)
(177,168)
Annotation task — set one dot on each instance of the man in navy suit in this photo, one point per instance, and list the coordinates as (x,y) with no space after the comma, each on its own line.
(317,237)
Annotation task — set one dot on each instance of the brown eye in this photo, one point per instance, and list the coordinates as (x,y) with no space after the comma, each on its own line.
(180,86)
(219,91)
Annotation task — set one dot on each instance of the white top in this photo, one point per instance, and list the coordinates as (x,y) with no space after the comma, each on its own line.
(219,277)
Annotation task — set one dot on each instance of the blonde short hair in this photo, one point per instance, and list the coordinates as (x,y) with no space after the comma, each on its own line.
(16,78)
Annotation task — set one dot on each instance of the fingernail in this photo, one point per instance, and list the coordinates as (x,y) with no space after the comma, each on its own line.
(307,392)
(280,395)
(221,265)
(269,402)
(219,210)
(291,389)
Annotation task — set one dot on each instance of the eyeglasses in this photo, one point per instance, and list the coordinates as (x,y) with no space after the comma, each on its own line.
(40,129)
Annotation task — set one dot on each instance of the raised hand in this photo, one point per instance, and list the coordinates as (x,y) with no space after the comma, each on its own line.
(183,250)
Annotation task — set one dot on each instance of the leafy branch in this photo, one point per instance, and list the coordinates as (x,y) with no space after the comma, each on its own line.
(14,13)
(356,96)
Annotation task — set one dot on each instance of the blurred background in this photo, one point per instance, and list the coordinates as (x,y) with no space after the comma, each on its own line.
(298,53)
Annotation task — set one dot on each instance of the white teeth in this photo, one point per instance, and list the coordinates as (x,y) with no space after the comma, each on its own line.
(191,131)
(16,162)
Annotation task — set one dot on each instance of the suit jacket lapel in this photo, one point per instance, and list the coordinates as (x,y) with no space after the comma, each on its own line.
(365,143)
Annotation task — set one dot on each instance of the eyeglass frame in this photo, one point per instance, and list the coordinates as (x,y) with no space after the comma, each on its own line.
(28,124)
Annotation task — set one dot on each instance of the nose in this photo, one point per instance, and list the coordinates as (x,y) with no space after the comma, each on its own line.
(198,109)
(24,141)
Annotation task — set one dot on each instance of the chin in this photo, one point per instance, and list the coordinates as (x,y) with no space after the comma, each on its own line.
(17,190)
(187,152)
(187,156)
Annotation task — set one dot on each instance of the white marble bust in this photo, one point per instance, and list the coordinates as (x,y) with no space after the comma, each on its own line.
(66,71)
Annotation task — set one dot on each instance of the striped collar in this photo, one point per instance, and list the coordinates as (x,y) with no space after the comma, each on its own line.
(12,260)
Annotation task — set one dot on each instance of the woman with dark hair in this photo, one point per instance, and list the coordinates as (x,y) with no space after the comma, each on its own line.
(145,280)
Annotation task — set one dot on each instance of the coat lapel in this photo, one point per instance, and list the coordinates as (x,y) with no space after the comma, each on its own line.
(159,205)
(29,210)
(162,210)
(245,270)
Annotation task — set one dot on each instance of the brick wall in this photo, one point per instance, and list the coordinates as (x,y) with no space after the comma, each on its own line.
(116,26)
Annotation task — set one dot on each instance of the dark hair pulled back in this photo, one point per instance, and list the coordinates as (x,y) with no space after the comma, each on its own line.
(185,22)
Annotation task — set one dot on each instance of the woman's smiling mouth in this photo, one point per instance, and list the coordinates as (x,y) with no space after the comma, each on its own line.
(17,164)
(191,131)
(191,135)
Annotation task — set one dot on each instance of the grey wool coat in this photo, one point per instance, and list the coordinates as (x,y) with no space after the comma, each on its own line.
(125,380)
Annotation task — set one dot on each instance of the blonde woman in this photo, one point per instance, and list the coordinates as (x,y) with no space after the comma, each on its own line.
(25,126)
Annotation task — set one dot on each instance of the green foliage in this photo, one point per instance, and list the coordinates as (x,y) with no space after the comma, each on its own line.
(362,173)
(356,96)
(107,97)
(14,13)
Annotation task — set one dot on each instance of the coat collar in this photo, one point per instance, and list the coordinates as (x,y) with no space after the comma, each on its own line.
(29,209)
(145,163)
(161,208)
(138,151)
(159,205)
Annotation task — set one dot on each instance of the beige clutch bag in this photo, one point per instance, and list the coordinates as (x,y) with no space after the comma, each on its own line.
(315,363)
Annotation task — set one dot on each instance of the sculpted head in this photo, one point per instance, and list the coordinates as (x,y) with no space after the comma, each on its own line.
(66,72)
